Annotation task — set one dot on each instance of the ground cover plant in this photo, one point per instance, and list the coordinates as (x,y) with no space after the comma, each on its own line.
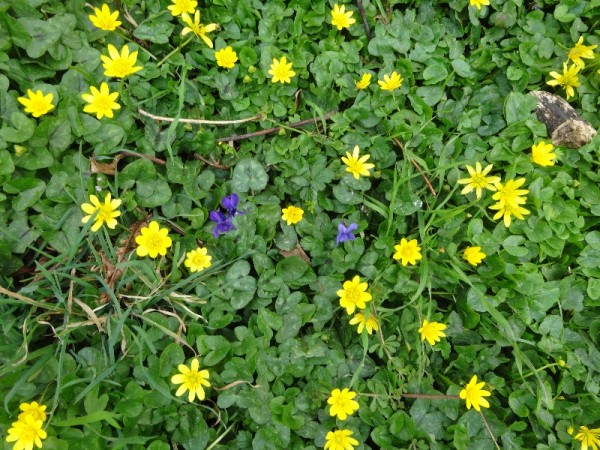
(267,224)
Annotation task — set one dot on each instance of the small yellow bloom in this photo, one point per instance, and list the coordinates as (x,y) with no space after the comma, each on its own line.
(479,3)
(105,19)
(226,57)
(292,214)
(568,79)
(364,82)
(191,379)
(342,404)
(542,154)
(589,438)
(106,213)
(357,164)
(509,198)
(370,323)
(408,251)
(391,82)
(198,260)
(341,18)
(182,6)
(119,65)
(507,210)
(581,51)
(101,102)
(153,241)
(37,104)
(281,71)
(340,440)
(474,255)
(478,181)
(197,28)
(570,429)
(432,331)
(353,295)
(26,433)
(474,394)
(33,410)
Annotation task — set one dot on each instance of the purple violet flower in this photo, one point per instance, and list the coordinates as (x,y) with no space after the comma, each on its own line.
(223,223)
(345,233)
(230,204)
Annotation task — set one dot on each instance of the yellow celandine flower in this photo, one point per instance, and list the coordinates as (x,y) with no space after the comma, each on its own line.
(391,82)
(341,18)
(506,211)
(198,260)
(568,79)
(101,102)
(33,410)
(226,57)
(570,429)
(197,28)
(542,154)
(153,241)
(357,164)
(589,438)
(342,404)
(191,379)
(370,323)
(281,71)
(182,6)
(407,251)
(106,213)
(292,214)
(509,198)
(474,255)
(105,19)
(25,433)
(353,295)
(37,104)
(119,65)
(478,181)
(474,394)
(432,331)
(364,82)
(581,51)
(340,440)
(479,3)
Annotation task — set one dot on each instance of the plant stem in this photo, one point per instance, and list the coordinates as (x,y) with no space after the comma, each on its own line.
(177,50)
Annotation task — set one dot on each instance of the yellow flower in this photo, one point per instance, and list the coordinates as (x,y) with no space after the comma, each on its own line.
(568,79)
(391,82)
(292,214)
(105,19)
(342,404)
(106,213)
(198,260)
(281,71)
(408,251)
(341,18)
(509,198)
(473,394)
(364,82)
(226,57)
(197,28)
(357,164)
(26,433)
(542,154)
(581,51)
(119,65)
(101,102)
(478,180)
(506,211)
(370,323)
(340,440)
(432,331)
(353,295)
(474,255)
(37,104)
(191,379)
(478,3)
(570,429)
(588,438)
(153,241)
(182,6)
(33,410)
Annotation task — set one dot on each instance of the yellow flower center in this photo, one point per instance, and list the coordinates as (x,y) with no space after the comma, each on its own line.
(122,67)
(104,213)
(353,294)
(281,71)
(193,380)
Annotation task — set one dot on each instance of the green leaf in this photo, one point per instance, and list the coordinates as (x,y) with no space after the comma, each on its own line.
(6,164)
(249,175)
(157,31)
(212,349)
(21,130)
(170,358)
(291,268)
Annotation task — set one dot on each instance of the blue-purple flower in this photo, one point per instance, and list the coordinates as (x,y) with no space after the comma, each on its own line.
(223,222)
(230,204)
(345,233)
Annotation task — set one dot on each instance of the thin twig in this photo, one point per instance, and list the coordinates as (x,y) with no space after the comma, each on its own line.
(431,396)
(414,163)
(202,121)
(487,427)
(212,163)
(141,155)
(363,14)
